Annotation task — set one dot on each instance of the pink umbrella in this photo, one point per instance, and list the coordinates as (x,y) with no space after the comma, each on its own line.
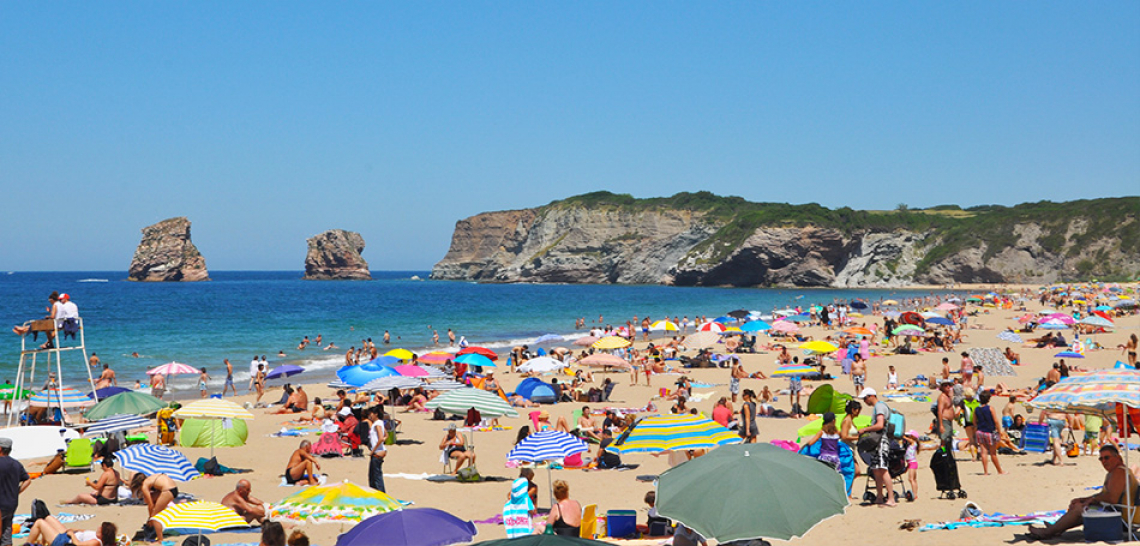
(1027,318)
(173,368)
(711,327)
(410,370)
(585,341)
(946,306)
(785,326)
(1061,317)
(604,360)
(437,357)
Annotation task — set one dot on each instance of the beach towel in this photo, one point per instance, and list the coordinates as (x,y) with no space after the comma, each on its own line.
(516,512)
(328,445)
(997,519)
(992,360)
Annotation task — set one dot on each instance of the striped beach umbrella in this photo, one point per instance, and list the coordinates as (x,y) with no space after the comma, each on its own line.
(334,503)
(117,423)
(213,408)
(459,401)
(436,357)
(547,445)
(391,382)
(1069,354)
(663,326)
(611,342)
(793,370)
(66,398)
(658,433)
(907,329)
(1095,320)
(445,385)
(151,459)
(173,368)
(1092,392)
(198,517)
(711,326)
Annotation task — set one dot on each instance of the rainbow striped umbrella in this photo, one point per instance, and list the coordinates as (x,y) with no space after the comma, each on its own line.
(51,398)
(198,517)
(334,503)
(436,357)
(173,368)
(1092,392)
(657,433)
(790,370)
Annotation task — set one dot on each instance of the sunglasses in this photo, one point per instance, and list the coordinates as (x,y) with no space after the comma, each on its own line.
(1104,458)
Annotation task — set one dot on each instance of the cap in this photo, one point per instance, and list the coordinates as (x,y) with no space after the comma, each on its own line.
(64,297)
(451,426)
(868,392)
(6,443)
(344,412)
(828,417)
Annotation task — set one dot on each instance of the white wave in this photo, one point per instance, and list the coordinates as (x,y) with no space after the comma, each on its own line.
(93,280)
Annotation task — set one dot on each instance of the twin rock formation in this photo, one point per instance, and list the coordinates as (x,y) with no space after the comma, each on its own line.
(167,254)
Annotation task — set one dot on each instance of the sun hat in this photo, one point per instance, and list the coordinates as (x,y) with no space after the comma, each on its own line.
(868,392)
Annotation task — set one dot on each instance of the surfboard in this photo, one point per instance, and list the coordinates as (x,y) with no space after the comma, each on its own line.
(39,441)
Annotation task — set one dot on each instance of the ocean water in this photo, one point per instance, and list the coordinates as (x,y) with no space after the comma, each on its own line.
(242,313)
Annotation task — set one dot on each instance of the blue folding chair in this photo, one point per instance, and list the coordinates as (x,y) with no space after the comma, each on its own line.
(1035,438)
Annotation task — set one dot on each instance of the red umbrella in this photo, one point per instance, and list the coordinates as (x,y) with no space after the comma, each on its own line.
(1103,315)
(910,317)
(479,351)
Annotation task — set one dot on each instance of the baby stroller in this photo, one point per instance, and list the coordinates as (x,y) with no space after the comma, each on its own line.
(896,469)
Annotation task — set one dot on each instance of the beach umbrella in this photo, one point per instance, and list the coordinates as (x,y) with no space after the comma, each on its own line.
(411,370)
(400,354)
(285,370)
(359,375)
(130,402)
(479,351)
(152,459)
(458,401)
(1054,325)
(116,423)
(198,517)
(910,317)
(858,305)
(738,314)
(173,368)
(1098,321)
(785,327)
(548,338)
(711,326)
(1011,337)
(543,540)
(436,357)
(794,370)
(947,306)
(604,360)
(446,385)
(890,302)
(701,340)
(385,384)
(475,359)
(547,445)
(657,433)
(755,326)
(798,318)
(61,398)
(383,360)
(215,409)
(664,326)
(107,392)
(859,331)
(942,321)
(409,527)
(334,503)
(585,341)
(1061,317)
(810,493)
(611,342)
(1069,354)
(902,330)
(541,364)
(819,347)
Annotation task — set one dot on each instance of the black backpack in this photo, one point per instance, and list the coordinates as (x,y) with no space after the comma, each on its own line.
(39,511)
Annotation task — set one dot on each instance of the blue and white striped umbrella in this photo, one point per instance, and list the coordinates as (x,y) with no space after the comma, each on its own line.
(545,446)
(117,423)
(151,459)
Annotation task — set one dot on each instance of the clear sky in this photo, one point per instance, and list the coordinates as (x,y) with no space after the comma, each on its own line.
(268,122)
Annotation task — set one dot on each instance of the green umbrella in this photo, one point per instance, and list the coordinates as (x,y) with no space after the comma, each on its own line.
(125,403)
(761,491)
(542,540)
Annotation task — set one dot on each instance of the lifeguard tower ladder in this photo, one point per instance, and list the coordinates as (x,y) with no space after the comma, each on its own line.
(29,359)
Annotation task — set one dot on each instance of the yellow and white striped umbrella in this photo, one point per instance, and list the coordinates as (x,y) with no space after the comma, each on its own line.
(198,517)
(611,342)
(213,408)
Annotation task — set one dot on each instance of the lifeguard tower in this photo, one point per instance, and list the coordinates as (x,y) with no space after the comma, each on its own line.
(31,357)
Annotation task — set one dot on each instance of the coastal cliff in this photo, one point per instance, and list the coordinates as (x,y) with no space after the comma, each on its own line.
(167,254)
(335,255)
(704,240)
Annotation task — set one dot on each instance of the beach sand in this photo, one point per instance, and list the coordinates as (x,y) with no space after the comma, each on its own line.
(1029,486)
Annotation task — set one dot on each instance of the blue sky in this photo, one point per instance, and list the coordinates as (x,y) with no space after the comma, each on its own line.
(266,123)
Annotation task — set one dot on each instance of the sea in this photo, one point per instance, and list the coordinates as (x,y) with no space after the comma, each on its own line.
(239,314)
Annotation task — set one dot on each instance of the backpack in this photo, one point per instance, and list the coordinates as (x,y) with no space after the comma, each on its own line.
(468,474)
(896,425)
(39,511)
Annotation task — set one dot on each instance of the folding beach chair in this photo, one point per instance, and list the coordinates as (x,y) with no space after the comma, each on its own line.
(1035,438)
(80,455)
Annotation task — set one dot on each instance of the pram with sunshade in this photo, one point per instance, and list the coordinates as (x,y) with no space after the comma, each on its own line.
(896,468)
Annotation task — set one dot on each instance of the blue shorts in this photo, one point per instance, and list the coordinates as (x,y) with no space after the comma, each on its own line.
(1055,427)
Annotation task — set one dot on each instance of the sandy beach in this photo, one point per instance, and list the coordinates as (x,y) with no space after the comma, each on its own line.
(1030,485)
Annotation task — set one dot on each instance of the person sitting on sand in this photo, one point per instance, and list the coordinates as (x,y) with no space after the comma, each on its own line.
(1117,484)
(106,488)
(588,427)
(417,402)
(1012,357)
(158,490)
(302,466)
(297,402)
(454,446)
(48,530)
(251,509)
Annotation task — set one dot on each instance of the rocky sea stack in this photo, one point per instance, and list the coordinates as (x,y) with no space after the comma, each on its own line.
(700,239)
(167,254)
(335,255)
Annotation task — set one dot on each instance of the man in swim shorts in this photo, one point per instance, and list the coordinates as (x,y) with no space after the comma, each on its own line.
(302,467)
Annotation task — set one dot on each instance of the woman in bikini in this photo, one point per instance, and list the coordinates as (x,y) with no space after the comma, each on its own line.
(158,490)
(106,488)
(48,530)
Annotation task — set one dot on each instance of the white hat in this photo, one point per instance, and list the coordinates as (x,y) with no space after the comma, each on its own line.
(868,392)
(344,412)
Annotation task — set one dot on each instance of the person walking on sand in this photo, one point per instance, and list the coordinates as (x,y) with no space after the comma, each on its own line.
(13,481)
(987,433)
(259,382)
(749,430)
(880,457)
(738,373)
(229,378)
(203,378)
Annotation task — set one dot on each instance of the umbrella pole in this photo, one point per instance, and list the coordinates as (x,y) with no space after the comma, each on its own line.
(550,483)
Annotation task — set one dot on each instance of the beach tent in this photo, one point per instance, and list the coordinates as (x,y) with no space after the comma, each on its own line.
(536,390)
(825,399)
(207,433)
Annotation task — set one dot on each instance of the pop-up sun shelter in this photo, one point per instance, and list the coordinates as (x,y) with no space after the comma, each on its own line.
(537,391)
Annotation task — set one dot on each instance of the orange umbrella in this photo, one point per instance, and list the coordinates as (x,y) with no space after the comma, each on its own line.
(858,331)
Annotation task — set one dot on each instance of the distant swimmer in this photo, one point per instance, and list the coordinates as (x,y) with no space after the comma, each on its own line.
(318,340)
(450,338)
(330,346)
(387,337)
(280,353)
(93,361)
(135,354)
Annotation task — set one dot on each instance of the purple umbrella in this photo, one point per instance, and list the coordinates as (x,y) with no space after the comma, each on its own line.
(409,527)
(284,370)
(107,392)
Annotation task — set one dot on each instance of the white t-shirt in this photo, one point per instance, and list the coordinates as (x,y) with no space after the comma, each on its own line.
(253,364)
(376,436)
(84,536)
(66,311)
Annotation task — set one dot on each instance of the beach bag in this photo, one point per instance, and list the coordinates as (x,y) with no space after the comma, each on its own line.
(468,474)
(438,415)
(896,425)
(869,441)
(212,468)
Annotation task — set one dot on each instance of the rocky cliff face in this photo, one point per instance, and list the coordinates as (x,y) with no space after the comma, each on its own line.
(563,243)
(167,254)
(335,255)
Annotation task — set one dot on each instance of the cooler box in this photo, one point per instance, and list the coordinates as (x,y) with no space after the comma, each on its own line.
(1103,525)
(623,523)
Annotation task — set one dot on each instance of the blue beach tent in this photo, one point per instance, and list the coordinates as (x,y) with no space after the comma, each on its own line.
(535,390)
